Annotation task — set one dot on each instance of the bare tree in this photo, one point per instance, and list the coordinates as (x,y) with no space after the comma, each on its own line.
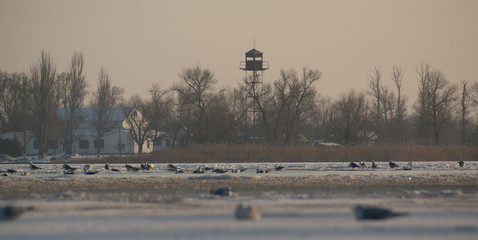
(400,112)
(159,110)
(74,89)
(44,106)
(465,104)
(139,126)
(348,118)
(376,91)
(420,107)
(104,98)
(436,102)
(196,91)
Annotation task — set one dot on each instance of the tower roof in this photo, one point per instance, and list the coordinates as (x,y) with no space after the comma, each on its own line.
(254,53)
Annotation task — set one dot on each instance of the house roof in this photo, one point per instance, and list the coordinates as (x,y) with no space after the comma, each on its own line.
(254,53)
(118,114)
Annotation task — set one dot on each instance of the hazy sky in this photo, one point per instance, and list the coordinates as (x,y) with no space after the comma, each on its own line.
(144,42)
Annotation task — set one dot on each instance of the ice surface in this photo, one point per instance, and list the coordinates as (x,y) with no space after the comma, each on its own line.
(305,201)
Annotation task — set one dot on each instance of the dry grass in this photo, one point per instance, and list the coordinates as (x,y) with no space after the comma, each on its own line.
(226,153)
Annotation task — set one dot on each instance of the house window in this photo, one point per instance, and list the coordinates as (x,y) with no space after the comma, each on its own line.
(84,144)
(36,144)
(102,143)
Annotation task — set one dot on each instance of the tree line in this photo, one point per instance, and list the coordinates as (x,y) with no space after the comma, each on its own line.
(288,110)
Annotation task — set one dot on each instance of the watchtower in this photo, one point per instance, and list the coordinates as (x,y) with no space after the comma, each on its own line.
(253,67)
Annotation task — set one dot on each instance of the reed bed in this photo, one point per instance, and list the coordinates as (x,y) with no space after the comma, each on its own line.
(246,153)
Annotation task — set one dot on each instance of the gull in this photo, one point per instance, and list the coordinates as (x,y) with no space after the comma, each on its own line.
(374,213)
(392,164)
(87,167)
(353,165)
(461,163)
(172,168)
(131,168)
(409,167)
(362,164)
(34,167)
(262,170)
(219,170)
(247,212)
(280,168)
(68,167)
(11,212)
(374,165)
(107,167)
(181,171)
(149,166)
(239,170)
(199,170)
(224,192)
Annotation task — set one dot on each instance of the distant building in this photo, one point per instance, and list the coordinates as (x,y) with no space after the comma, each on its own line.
(116,140)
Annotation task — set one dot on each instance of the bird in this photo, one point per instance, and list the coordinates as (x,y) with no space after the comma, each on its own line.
(224,192)
(181,171)
(262,170)
(34,167)
(374,165)
(392,164)
(374,213)
(461,163)
(149,166)
(12,212)
(26,173)
(131,168)
(247,212)
(362,165)
(87,167)
(6,174)
(172,168)
(409,167)
(91,172)
(68,167)
(219,170)
(107,167)
(353,165)
(239,170)
(199,170)
(11,171)
(280,168)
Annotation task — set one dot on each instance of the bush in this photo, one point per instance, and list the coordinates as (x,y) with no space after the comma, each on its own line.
(10,147)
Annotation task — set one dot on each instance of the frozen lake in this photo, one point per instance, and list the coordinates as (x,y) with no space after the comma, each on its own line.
(305,201)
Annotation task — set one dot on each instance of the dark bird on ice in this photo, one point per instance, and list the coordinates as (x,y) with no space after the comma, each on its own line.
(199,170)
(131,168)
(374,165)
(219,170)
(461,163)
(374,213)
(12,212)
(392,164)
(239,170)
(362,165)
(107,167)
(34,167)
(280,168)
(172,168)
(353,165)
(68,167)
(91,172)
(262,170)
(408,167)
(224,192)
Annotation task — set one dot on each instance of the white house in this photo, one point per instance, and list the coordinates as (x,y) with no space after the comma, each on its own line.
(117,140)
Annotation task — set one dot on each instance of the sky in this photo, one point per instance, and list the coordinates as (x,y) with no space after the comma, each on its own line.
(140,43)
